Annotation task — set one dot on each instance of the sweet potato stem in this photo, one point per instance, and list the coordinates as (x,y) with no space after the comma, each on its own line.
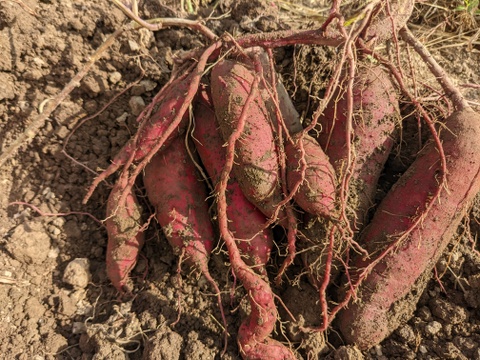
(161,23)
(450,89)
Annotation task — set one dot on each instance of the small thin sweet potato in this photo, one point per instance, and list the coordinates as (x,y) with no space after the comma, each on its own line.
(375,117)
(381,305)
(316,193)
(256,162)
(246,222)
(154,126)
(125,236)
(150,130)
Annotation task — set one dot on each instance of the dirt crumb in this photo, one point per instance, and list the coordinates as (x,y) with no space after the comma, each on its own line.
(29,243)
(77,273)
(347,353)
(34,309)
(448,312)
(164,345)
(7,90)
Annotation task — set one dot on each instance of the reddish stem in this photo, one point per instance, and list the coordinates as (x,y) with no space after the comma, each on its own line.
(254,334)
(42,213)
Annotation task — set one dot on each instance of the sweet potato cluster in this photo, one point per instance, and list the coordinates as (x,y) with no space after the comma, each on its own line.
(317,181)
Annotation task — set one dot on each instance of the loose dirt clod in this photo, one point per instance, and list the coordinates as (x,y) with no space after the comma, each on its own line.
(29,243)
(77,273)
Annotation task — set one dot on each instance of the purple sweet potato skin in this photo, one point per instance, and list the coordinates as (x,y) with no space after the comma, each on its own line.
(246,221)
(375,117)
(369,320)
(256,163)
(316,194)
(179,197)
(125,237)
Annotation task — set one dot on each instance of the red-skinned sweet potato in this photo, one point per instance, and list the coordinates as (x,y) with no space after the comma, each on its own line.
(375,116)
(290,116)
(179,198)
(256,163)
(150,130)
(125,236)
(245,221)
(380,308)
(316,193)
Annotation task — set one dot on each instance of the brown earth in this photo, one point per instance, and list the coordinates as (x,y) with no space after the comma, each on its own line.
(55,299)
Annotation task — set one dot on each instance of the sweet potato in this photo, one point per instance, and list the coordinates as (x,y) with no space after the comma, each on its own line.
(256,163)
(380,306)
(290,116)
(254,334)
(179,198)
(150,130)
(375,116)
(125,236)
(316,193)
(246,222)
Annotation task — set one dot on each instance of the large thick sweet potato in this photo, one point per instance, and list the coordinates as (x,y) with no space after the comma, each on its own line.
(375,117)
(245,221)
(256,163)
(380,306)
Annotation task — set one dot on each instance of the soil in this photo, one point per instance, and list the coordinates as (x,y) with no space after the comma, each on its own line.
(55,299)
